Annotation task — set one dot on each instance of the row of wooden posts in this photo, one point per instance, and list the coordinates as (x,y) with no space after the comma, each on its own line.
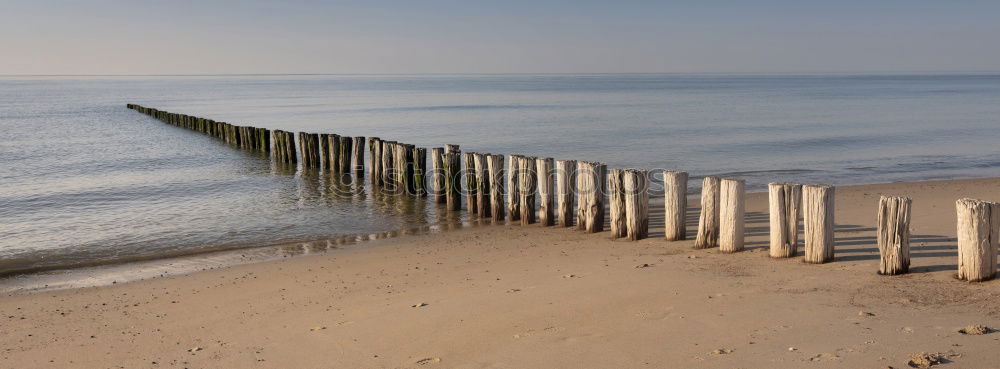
(568,189)
(245,137)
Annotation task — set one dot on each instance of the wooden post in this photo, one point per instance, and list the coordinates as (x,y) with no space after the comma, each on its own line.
(708,221)
(483,181)
(437,174)
(636,188)
(374,161)
(978,236)
(590,190)
(452,148)
(358,156)
(344,156)
(285,147)
(731,215)
(616,202)
(399,163)
(894,235)
(333,153)
(817,208)
(409,169)
(600,197)
(675,205)
(513,187)
(527,180)
(309,147)
(546,189)
(471,184)
(453,180)
(566,180)
(784,202)
(388,169)
(495,165)
(420,171)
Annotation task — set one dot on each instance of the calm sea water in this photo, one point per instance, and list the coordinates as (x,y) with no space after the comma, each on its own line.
(85,181)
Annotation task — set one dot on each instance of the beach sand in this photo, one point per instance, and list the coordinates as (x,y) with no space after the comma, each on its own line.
(495,296)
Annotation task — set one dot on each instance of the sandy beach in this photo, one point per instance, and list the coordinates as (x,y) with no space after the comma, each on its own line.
(507,296)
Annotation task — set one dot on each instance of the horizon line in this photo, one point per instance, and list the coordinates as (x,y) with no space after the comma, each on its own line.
(927,72)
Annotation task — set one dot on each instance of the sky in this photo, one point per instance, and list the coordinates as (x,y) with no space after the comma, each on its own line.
(510,36)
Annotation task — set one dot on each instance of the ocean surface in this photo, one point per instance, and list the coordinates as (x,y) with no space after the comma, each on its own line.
(85,181)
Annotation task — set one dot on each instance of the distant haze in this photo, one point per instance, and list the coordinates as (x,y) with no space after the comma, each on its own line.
(512,36)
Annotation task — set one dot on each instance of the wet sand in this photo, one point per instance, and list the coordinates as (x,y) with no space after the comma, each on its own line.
(508,296)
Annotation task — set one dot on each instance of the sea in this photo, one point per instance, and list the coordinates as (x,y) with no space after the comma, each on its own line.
(94,193)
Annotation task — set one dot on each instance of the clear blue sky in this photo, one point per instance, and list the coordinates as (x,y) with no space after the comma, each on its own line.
(512,36)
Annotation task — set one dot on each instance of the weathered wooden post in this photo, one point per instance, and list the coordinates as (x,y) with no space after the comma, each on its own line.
(420,171)
(546,189)
(388,171)
(636,188)
(616,202)
(590,190)
(675,205)
(309,147)
(784,201)
(708,221)
(483,181)
(731,215)
(344,156)
(495,165)
(471,184)
(358,155)
(513,187)
(527,181)
(453,180)
(409,168)
(437,174)
(399,162)
(566,180)
(817,215)
(978,238)
(333,153)
(374,161)
(893,235)
(284,147)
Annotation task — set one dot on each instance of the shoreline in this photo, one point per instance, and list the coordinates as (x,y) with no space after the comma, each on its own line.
(105,274)
(513,296)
